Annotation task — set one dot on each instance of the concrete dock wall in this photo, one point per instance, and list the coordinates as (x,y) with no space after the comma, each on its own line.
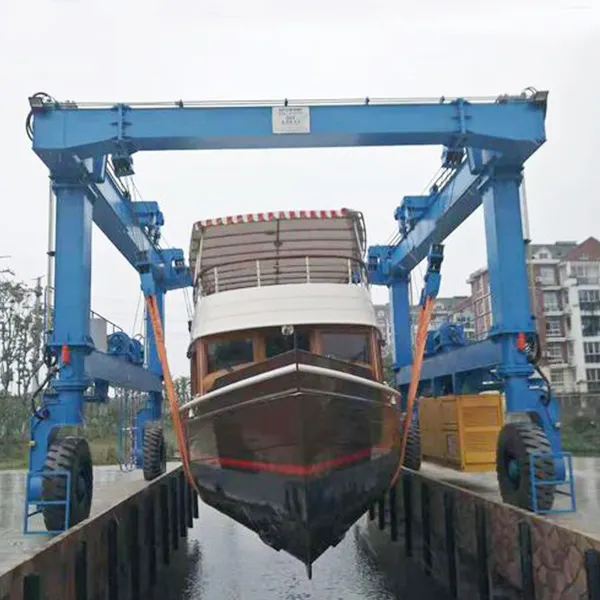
(480,549)
(116,555)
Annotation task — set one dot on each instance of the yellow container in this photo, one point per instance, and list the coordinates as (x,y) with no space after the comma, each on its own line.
(461,432)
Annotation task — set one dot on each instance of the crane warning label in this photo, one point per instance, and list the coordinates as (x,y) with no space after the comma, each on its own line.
(291,119)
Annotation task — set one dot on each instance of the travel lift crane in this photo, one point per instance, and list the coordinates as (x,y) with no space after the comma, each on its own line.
(88,148)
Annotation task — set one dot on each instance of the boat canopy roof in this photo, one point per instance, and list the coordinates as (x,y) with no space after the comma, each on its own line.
(275,248)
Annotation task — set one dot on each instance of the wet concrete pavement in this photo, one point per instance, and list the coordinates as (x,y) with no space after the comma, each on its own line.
(110,487)
(586,473)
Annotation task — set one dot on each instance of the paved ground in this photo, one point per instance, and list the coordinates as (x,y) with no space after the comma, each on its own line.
(111,486)
(586,473)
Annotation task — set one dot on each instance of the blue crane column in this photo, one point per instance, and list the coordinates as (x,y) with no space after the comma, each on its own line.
(401,322)
(69,345)
(151,413)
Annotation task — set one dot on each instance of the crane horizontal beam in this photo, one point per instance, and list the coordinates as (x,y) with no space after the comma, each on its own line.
(130,225)
(120,373)
(443,212)
(511,125)
(481,355)
(114,215)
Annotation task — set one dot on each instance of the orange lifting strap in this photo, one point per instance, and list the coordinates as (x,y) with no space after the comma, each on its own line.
(170,388)
(415,376)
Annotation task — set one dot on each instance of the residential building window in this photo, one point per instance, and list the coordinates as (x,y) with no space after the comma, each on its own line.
(593,380)
(591,351)
(586,274)
(479,285)
(547,275)
(590,326)
(543,255)
(555,354)
(589,300)
(557,378)
(480,309)
(553,328)
(551,301)
(488,322)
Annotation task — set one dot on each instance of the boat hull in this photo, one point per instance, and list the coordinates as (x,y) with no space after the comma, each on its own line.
(297,455)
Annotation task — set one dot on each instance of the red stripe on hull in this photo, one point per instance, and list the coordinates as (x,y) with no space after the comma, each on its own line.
(290,469)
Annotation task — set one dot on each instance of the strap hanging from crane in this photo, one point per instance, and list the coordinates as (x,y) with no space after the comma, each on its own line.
(430,291)
(170,388)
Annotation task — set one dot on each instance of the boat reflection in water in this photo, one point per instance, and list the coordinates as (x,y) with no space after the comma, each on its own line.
(291,431)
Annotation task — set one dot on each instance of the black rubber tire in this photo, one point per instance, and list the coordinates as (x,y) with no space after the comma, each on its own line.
(69,454)
(412,454)
(155,452)
(517,441)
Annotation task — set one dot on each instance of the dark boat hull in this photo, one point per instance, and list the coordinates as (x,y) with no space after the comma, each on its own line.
(297,456)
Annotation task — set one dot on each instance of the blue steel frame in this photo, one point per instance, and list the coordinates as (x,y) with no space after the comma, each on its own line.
(474,176)
(485,145)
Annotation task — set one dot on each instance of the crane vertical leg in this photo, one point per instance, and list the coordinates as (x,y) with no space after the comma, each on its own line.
(65,459)
(401,330)
(531,432)
(403,355)
(149,439)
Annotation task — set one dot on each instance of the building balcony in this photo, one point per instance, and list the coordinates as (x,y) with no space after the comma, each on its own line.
(548,286)
(553,311)
(557,364)
(556,337)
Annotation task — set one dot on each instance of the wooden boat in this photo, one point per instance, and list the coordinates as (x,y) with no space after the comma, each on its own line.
(291,430)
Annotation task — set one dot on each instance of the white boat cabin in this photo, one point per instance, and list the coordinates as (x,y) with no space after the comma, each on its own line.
(256,274)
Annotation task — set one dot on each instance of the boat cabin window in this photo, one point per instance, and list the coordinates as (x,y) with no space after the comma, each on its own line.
(351,347)
(277,343)
(226,354)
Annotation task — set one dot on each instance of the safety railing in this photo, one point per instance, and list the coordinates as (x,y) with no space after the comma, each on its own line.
(48,321)
(40,503)
(565,461)
(280,270)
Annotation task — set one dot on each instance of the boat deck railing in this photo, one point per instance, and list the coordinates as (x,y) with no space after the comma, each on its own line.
(281,270)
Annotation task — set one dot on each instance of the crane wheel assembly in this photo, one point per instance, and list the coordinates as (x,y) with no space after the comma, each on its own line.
(412,456)
(155,452)
(68,484)
(522,449)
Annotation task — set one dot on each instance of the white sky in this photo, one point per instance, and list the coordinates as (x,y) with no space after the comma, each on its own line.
(151,50)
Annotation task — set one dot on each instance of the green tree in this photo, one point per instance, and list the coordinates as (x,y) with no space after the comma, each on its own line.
(183,389)
(20,335)
(388,373)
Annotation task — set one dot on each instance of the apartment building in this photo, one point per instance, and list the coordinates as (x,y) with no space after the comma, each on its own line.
(457,309)
(384,322)
(564,285)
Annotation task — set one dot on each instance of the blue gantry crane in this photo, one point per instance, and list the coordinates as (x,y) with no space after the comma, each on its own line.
(89,147)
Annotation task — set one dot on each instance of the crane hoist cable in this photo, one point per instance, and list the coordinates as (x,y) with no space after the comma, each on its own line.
(178,426)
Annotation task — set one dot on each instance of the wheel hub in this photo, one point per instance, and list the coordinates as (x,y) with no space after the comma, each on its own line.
(514,470)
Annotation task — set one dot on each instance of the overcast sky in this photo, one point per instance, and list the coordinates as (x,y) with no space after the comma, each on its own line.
(241,49)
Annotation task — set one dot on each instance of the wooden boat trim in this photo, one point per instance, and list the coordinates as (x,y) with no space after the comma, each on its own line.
(284,371)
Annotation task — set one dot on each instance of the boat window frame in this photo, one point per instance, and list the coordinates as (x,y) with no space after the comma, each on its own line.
(247,334)
(352,329)
(306,330)
(205,380)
